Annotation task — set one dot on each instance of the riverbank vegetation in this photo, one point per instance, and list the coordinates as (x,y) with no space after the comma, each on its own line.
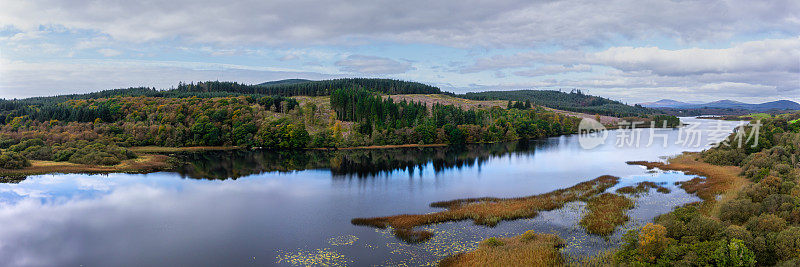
(750,208)
(488,210)
(101,128)
(748,215)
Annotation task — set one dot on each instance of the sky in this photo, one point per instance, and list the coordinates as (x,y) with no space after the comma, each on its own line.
(629,50)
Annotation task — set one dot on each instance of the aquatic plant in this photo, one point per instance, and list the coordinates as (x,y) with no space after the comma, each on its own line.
(488,210)
(604,213)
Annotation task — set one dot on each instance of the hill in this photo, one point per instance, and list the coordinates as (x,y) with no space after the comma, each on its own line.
(664,103)
(573,101)
(283,82)
(725,104)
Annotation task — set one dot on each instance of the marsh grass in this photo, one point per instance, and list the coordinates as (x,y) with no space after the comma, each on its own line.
(529,249)
(716,180)
(643,187)
(604,213)
(488,210)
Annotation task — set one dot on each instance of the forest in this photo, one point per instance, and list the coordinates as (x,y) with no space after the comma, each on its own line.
(575,101)
(100,128)
(760,226)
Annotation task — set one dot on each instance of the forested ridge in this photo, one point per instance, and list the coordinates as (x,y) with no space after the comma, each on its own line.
(98,128)
(575,101)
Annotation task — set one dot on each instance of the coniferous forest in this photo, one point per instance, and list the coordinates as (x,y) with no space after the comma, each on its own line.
(98,128)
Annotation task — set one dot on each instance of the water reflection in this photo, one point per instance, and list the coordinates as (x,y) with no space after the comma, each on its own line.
(361,163)
(280,208)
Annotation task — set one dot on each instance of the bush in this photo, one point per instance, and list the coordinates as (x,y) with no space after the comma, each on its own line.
(765,223)
(687,222)
(652,241)
(738,211)
(734,253)
(493,242)
(13,160)
(736,232)
(787,243)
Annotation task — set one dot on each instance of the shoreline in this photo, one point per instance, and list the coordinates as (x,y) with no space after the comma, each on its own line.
(717,185)
(145,163)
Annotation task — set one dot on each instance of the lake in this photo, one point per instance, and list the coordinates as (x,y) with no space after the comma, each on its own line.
(241,208)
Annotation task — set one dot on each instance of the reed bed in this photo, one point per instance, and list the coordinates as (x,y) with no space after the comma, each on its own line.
(605,212)
(488,210)
(528,249)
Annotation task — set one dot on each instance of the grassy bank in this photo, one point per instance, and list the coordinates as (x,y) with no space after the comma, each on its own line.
(488,210)
(141,164)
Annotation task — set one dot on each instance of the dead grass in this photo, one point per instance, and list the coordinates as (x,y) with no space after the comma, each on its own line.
(723,181)
(604,213)
(431,99)
(488,210)
(141,164)
(528,249)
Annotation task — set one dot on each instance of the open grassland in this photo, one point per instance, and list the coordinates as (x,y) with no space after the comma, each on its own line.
(605,120)
(488,210)
(528,249)
(486,104)
(432,99)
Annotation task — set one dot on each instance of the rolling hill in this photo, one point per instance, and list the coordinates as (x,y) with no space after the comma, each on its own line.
(725,104)
(575,101)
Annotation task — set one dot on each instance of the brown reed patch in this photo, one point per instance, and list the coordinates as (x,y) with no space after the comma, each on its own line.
(528,249)
(716,180)
(490,211)
(604,213)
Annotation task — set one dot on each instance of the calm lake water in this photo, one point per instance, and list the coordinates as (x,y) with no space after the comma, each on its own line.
(294,208)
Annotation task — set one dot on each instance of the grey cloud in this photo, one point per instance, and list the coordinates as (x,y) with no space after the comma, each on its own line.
(451,23)
(41,79)
(373,65)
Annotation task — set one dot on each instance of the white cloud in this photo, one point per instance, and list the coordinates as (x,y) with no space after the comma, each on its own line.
(554,69)
(373,65)
(761,56)
(108,52)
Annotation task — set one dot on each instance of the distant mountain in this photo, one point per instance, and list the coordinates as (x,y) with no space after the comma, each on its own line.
(283,82)
(725,104)
(664,103)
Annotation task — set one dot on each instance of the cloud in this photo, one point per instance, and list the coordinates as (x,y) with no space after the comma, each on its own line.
(107,52)
(449,23)
(373,65)
(23,79)
(758,56)
(554,69)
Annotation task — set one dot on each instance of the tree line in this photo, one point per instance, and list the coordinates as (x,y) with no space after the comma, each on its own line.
(575,100)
